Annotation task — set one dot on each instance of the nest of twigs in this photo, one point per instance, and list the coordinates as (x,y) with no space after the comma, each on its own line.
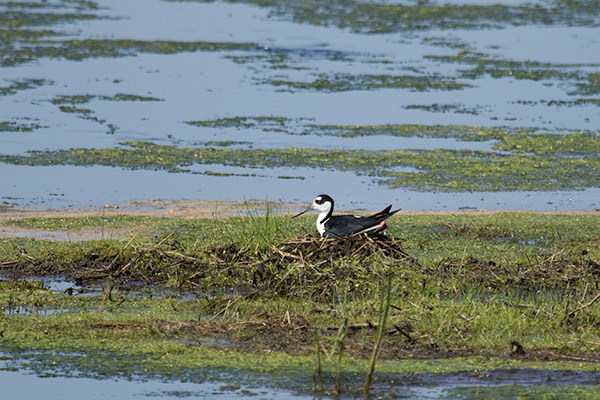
(311,265)
(312,249)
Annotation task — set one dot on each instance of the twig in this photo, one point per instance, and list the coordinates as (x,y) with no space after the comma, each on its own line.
(143,253)
(224,309)
(583,307)
(121,252)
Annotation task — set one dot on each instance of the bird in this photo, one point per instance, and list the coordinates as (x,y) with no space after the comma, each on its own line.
(337,226)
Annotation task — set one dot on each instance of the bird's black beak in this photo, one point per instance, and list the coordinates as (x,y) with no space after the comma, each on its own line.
(297,215)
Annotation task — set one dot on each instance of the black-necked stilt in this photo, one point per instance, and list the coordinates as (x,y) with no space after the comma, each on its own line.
(344,225)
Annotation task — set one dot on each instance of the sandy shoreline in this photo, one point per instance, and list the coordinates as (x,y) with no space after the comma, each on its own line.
(180,209)
(221,209)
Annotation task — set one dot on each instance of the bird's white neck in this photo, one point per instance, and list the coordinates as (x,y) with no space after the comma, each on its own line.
(323,216)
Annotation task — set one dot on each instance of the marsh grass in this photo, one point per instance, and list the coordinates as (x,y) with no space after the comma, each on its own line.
(463,284)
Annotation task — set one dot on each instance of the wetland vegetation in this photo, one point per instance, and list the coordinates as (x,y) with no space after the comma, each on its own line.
(516,161)
(195,298)
(258,298)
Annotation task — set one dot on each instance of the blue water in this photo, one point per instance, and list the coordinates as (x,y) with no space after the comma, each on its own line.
(209,85)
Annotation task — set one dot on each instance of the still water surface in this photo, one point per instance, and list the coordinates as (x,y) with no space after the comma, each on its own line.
(207,85)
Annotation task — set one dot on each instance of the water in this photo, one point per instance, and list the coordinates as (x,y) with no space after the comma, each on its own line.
(207,85)
(21,383)
(24,385)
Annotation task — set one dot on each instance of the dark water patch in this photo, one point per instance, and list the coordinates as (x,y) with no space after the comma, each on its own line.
(281,58)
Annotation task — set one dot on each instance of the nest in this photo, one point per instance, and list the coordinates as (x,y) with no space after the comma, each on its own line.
(312,249)
(310,265)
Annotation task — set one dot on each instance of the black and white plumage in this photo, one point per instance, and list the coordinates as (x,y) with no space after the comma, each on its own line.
(335,226)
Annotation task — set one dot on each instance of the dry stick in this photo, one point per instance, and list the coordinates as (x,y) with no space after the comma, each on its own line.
(224,309)
(586,305)
(143,253)
(121,252)
(385,308)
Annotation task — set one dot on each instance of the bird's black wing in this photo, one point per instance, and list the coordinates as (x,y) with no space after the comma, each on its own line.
(343,225)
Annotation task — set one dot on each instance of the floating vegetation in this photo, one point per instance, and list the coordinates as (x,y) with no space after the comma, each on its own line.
(374,17)
(549,144)
(345,82)
(267,124)
(10,126)
(443,108)
(24,84)
(444,170)
(570,103)
(83,99)
(304,126)
(501,68)
(91,48)
(585,83)
(66,104)
(271,59)
(20,42)
(591,87)
(225,143)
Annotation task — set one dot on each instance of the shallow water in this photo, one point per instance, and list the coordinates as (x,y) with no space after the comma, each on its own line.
(207,85)
(26,385)
(21,382)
